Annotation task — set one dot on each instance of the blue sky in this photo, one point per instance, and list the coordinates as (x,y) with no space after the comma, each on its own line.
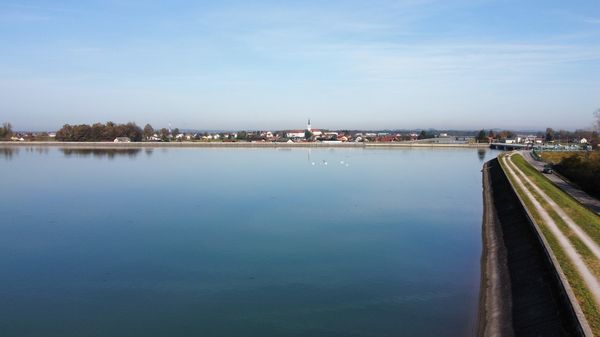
(272,64)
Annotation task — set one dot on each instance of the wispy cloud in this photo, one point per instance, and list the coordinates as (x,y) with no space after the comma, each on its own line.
(349,55)
(378,45)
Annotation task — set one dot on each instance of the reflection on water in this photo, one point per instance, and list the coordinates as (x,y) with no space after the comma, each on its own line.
(110,153)
(37,149)
(481,154)
(8,152)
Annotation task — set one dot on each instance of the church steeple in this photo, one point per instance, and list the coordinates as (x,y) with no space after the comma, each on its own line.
(308,125)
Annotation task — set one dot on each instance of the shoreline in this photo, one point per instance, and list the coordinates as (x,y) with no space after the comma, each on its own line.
(238,145)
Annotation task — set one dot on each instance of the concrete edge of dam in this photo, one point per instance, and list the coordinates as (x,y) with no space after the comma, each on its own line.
(523,289)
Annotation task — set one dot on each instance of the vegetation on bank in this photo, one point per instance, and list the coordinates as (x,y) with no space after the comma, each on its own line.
(99,132)
(582,168)
(555,157)
(582,293)
(583,171)
(589,258)
(108,132)
(587,220)
(5,131)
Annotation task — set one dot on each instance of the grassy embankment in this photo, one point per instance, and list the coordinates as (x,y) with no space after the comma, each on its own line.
(582,293)
(581,168)
(557,157)
(586,219)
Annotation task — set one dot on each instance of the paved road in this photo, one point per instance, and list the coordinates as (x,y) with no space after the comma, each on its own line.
(584,198)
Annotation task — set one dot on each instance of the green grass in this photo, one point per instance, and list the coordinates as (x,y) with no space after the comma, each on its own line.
(582,293)
(587,255)
(586,219)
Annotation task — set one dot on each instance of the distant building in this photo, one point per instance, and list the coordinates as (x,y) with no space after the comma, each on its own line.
(315,132)
(295,134)
(122,140)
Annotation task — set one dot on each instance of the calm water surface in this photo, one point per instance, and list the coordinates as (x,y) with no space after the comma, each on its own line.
(240,242)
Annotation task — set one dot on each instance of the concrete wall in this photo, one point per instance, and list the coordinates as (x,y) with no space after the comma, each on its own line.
(523,291)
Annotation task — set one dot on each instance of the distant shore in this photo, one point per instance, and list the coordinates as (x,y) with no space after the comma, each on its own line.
(239,144)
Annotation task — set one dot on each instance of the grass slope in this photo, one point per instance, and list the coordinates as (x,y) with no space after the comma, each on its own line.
(582,293)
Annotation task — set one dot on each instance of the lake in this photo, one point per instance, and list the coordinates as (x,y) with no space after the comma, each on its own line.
(240,242)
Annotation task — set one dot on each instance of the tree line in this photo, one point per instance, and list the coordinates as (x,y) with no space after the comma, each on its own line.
(99,132)
(6,131)
(583,171)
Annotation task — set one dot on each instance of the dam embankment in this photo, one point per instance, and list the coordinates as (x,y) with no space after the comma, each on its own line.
(523,290)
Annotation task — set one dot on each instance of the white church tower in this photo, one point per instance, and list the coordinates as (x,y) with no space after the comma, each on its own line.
(308,126)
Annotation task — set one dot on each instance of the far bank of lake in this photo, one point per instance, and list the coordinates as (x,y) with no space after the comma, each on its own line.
(246,144)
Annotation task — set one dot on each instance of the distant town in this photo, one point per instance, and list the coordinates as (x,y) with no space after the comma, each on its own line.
(130,132)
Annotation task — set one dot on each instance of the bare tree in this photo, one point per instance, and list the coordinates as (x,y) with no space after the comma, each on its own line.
(148,131)
(5,130)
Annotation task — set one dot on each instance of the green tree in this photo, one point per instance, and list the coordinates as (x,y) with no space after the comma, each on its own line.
(307,134)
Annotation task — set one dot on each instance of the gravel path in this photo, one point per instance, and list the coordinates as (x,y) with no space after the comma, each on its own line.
(593,284)
(583,236)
